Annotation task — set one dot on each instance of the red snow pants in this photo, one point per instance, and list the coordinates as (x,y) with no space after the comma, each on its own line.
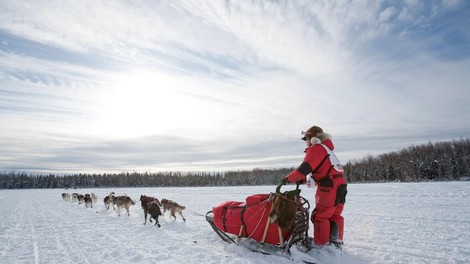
(327,221)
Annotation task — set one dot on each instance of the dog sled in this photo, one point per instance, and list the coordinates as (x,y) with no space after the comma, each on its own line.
(266,223)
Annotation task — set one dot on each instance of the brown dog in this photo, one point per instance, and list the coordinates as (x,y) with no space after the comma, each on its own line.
(145,202)
(283,212)
(123,201)
(154,211)
(109,200)
(169,205)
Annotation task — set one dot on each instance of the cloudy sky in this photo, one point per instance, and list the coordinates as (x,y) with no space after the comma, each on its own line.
(113,86)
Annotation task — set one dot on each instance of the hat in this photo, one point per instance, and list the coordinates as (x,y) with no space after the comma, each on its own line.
(311,132)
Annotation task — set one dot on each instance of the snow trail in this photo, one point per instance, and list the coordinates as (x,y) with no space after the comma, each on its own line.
(385,223)
(35,243)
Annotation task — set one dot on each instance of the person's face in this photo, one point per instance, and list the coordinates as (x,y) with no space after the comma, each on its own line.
(308,142)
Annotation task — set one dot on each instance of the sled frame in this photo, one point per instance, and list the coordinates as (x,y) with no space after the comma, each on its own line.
(299,235)
(225,237)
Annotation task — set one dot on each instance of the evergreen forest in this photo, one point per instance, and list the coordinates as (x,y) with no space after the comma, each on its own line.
(439,161)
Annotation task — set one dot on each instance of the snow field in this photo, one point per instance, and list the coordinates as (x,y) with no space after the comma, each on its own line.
(384,223)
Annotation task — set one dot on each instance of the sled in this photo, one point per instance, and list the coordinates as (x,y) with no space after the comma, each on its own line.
(249,223)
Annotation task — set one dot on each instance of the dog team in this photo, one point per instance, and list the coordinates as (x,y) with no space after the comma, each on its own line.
(87,199)
(151,205)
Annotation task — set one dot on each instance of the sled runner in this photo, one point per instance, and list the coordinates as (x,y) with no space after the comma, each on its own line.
(266,223)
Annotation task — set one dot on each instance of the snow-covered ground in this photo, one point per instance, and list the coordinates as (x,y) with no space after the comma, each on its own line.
(385,223)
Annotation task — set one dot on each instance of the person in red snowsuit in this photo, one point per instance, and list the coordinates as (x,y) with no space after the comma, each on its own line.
(330,195)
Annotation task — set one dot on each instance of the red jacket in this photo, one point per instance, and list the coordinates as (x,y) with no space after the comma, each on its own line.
(317,161)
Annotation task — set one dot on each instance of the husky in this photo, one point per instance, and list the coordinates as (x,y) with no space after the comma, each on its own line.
(66,197)
(123,201)
(154,211)
(80,198)
(94,198)
(145,202)
(169,205)
(88,201)
(75,197)
(109,200)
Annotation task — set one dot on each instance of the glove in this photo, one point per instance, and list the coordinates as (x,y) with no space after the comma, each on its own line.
(300,181)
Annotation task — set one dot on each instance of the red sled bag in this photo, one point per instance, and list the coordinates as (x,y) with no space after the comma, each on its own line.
(250,219)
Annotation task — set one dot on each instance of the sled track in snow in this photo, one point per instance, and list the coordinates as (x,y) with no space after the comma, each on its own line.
(382,226)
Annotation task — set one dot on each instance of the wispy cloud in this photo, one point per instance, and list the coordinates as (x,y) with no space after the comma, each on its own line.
(121,85)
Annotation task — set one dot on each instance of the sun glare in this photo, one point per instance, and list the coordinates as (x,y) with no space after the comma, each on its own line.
(144,103)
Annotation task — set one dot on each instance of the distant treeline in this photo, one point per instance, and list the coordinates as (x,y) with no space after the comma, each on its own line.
(441,161)
(135,179)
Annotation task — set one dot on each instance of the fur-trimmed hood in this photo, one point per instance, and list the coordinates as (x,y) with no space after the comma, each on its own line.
(323,138)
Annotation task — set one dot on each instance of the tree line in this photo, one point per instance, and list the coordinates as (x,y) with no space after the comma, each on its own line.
(23,180)
(441,161)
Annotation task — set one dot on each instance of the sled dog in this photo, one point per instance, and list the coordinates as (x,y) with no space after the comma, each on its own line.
(123,201)
(109,200)
(145,202)
(88,201)
(154,211)
(169,205)
(66,197)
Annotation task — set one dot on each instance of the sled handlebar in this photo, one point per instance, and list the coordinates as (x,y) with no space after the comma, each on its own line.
(278,188)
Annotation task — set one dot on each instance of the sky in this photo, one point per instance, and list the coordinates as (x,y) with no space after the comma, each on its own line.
(148,86)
